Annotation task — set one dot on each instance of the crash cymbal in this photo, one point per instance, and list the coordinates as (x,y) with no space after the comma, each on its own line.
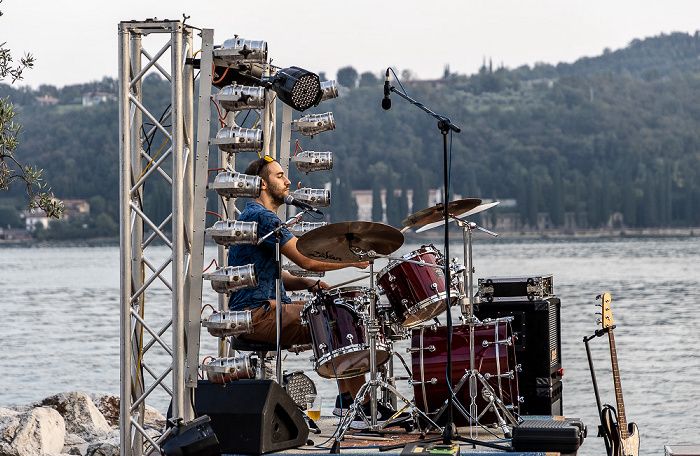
(436,213)
(332,243)
(476,210)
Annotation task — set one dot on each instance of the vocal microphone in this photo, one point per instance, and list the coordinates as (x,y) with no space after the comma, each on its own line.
(386,102)
(289,199)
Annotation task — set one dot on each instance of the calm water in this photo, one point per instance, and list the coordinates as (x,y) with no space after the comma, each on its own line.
(60,324)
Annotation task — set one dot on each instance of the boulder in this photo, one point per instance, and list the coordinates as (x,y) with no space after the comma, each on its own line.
(39,430)
(79,413)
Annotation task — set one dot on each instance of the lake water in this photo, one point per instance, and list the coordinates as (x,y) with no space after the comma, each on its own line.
(59,329)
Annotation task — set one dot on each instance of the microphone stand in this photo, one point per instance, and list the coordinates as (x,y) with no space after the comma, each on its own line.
(445,126)
(278,293)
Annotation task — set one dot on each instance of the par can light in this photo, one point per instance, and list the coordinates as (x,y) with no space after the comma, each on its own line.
(235,139)
(233,232)
(239,50)
(309,161)
(329,89)
(236,97)
(233,278)
(230,184)
(313,124)
(316,197)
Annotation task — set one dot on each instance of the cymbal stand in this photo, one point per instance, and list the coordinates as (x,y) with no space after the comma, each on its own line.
(468,313)
(371,331)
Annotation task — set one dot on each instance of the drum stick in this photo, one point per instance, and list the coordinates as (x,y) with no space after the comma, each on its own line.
(403,230)
(346,283)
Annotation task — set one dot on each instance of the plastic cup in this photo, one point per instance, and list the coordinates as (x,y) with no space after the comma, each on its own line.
(313,406)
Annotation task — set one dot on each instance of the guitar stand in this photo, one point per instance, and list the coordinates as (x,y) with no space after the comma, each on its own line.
(601,433)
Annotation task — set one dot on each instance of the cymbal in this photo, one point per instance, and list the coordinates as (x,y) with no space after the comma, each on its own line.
(476,210)
(331,243)
(436,213)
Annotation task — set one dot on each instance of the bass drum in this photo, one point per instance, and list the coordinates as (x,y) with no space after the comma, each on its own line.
(494,358)
(338,334)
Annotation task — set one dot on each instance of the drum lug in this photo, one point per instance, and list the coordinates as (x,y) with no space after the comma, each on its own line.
(322,347)
(509,374)
(433,286)
(349,337)
(518,368)
(430,348)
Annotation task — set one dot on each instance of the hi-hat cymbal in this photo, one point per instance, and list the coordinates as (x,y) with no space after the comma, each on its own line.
(332,243)
(436,213)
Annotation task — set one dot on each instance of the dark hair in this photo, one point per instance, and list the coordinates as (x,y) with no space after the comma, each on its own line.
(256,167)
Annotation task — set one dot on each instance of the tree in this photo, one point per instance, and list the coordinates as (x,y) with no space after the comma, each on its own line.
(11,170)
(368,79)
(347,77)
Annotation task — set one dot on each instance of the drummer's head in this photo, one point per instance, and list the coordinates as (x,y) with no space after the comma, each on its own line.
(274,182)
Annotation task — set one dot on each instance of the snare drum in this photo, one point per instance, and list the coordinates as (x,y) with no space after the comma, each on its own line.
(416,292)
(338,334)
(494,358)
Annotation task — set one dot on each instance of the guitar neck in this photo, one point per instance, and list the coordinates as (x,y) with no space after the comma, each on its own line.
(621,418)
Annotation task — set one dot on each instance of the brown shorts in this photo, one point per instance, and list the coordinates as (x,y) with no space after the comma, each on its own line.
(265,326)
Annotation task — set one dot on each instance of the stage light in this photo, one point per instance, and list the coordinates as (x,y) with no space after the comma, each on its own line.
(295,87)
(298,385)
(230,184)
(222,370)
(313,124)
(238,50)
(329,89)
(235,139)
(229,323)
(233,278)
(309,161)
(298,271)
(300,228)
(317,197)
(237,97)
(233,232)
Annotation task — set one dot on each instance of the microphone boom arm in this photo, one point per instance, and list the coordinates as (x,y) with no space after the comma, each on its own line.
(442,120)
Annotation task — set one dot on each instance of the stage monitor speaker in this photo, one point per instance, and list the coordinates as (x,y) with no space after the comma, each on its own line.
(536,326)
(251,416)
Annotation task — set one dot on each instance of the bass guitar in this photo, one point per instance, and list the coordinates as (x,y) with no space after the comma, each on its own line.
(623,437)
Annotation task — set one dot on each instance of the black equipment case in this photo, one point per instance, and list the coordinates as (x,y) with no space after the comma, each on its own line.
(564,436)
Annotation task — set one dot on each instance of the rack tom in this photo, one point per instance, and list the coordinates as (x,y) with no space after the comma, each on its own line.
(416,292)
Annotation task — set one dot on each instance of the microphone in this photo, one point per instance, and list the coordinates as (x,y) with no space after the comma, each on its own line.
(386,102)
(289,199)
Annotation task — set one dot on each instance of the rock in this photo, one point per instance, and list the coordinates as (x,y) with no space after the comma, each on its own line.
(109,447)
(40,430)
(80,414)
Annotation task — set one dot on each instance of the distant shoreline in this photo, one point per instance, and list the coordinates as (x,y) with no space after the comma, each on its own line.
(438,233)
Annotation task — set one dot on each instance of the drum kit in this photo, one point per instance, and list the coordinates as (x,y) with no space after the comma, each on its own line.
(353,332)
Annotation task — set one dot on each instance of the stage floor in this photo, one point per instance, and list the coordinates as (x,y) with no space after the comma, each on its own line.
(396,441)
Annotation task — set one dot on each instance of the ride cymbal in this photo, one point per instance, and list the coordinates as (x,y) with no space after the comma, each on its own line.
(436,213)
(332,243)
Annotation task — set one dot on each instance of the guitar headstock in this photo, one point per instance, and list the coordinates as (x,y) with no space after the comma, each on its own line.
(606,319)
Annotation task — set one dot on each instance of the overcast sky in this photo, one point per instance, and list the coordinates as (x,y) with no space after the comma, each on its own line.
(75,41)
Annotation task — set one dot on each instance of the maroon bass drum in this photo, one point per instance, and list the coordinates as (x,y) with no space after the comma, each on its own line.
(337,330)
(415,286)
(494,359)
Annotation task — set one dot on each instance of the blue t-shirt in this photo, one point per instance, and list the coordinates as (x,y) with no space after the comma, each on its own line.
(263,256)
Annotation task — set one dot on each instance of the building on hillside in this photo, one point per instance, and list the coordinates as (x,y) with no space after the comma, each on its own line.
(73,208)
(46,100)
(93,98)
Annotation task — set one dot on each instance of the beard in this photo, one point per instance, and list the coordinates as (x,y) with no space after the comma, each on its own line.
(277,193)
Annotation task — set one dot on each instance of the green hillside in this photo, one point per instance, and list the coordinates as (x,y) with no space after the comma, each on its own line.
(617,133)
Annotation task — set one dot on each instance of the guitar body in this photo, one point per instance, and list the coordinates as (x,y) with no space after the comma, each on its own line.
(621,446)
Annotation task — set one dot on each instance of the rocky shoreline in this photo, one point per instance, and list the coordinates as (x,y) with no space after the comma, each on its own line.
(70,423)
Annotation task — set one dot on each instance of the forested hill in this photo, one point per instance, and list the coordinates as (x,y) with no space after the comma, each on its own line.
(618,133)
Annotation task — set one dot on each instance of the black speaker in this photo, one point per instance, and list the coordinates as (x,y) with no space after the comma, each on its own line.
(536,326)
(251,416)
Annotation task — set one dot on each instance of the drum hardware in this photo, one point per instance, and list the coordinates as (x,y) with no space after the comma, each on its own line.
(508,341)
(495,403)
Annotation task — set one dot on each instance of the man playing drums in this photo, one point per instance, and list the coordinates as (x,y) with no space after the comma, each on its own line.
(260,300)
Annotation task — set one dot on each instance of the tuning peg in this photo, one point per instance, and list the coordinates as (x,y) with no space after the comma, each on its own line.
(598,304)
(599,296)
(598,320)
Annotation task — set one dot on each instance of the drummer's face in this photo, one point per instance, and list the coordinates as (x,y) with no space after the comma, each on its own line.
(277,183)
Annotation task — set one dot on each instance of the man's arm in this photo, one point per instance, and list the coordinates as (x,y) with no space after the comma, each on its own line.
(289,249)
(293,283)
